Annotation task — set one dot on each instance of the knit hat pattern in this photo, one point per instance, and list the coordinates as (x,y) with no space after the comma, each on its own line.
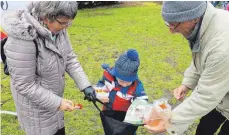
(181,11)
(126,67)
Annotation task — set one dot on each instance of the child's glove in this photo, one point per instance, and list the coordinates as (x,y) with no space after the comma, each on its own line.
(89,93)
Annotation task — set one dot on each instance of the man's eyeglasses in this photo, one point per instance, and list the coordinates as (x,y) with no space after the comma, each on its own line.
(171,26)
(65,24)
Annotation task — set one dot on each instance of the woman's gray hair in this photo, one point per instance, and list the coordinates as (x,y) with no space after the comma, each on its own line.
(54,9)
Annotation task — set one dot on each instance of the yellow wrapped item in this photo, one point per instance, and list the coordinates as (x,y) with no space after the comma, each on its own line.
(102,93)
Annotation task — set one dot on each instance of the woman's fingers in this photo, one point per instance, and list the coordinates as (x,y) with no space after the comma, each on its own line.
(71,106)
(68,105)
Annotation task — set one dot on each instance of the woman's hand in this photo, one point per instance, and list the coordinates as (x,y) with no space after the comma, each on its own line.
(180,92)
(67,105)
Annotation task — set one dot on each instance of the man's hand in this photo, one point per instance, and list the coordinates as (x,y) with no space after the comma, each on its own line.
(67,105)
(89,93)
(157,129)
(180,92)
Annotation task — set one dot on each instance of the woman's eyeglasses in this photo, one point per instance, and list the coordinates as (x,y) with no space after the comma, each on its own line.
(64,24)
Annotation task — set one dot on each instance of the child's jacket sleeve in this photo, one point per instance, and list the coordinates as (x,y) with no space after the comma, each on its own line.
(140,93)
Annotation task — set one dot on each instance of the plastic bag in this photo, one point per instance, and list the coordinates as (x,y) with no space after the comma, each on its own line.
(142,112)
(160,113)
(136,111)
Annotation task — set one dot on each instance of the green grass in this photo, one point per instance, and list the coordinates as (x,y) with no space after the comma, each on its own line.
(99,36)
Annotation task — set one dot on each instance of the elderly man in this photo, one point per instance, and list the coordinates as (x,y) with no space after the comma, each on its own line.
(206,29)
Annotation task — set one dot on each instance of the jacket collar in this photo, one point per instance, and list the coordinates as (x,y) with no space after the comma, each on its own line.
(209,14)
(194,37)
(44,32)
(46,35)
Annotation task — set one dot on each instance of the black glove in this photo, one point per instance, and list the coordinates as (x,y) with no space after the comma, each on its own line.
(89,93)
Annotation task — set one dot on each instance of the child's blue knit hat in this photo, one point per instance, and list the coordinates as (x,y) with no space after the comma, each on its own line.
(126,67)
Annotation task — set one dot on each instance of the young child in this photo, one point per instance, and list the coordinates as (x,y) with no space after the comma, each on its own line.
(123,83)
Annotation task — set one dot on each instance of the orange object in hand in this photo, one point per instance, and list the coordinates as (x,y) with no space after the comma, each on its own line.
(163,106)
(79,105)
(153,123)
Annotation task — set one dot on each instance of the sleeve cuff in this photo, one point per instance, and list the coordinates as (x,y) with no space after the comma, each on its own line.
(189,83)
(172,130)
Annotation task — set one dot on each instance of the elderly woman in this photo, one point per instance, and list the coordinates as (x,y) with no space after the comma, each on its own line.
(38,53)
